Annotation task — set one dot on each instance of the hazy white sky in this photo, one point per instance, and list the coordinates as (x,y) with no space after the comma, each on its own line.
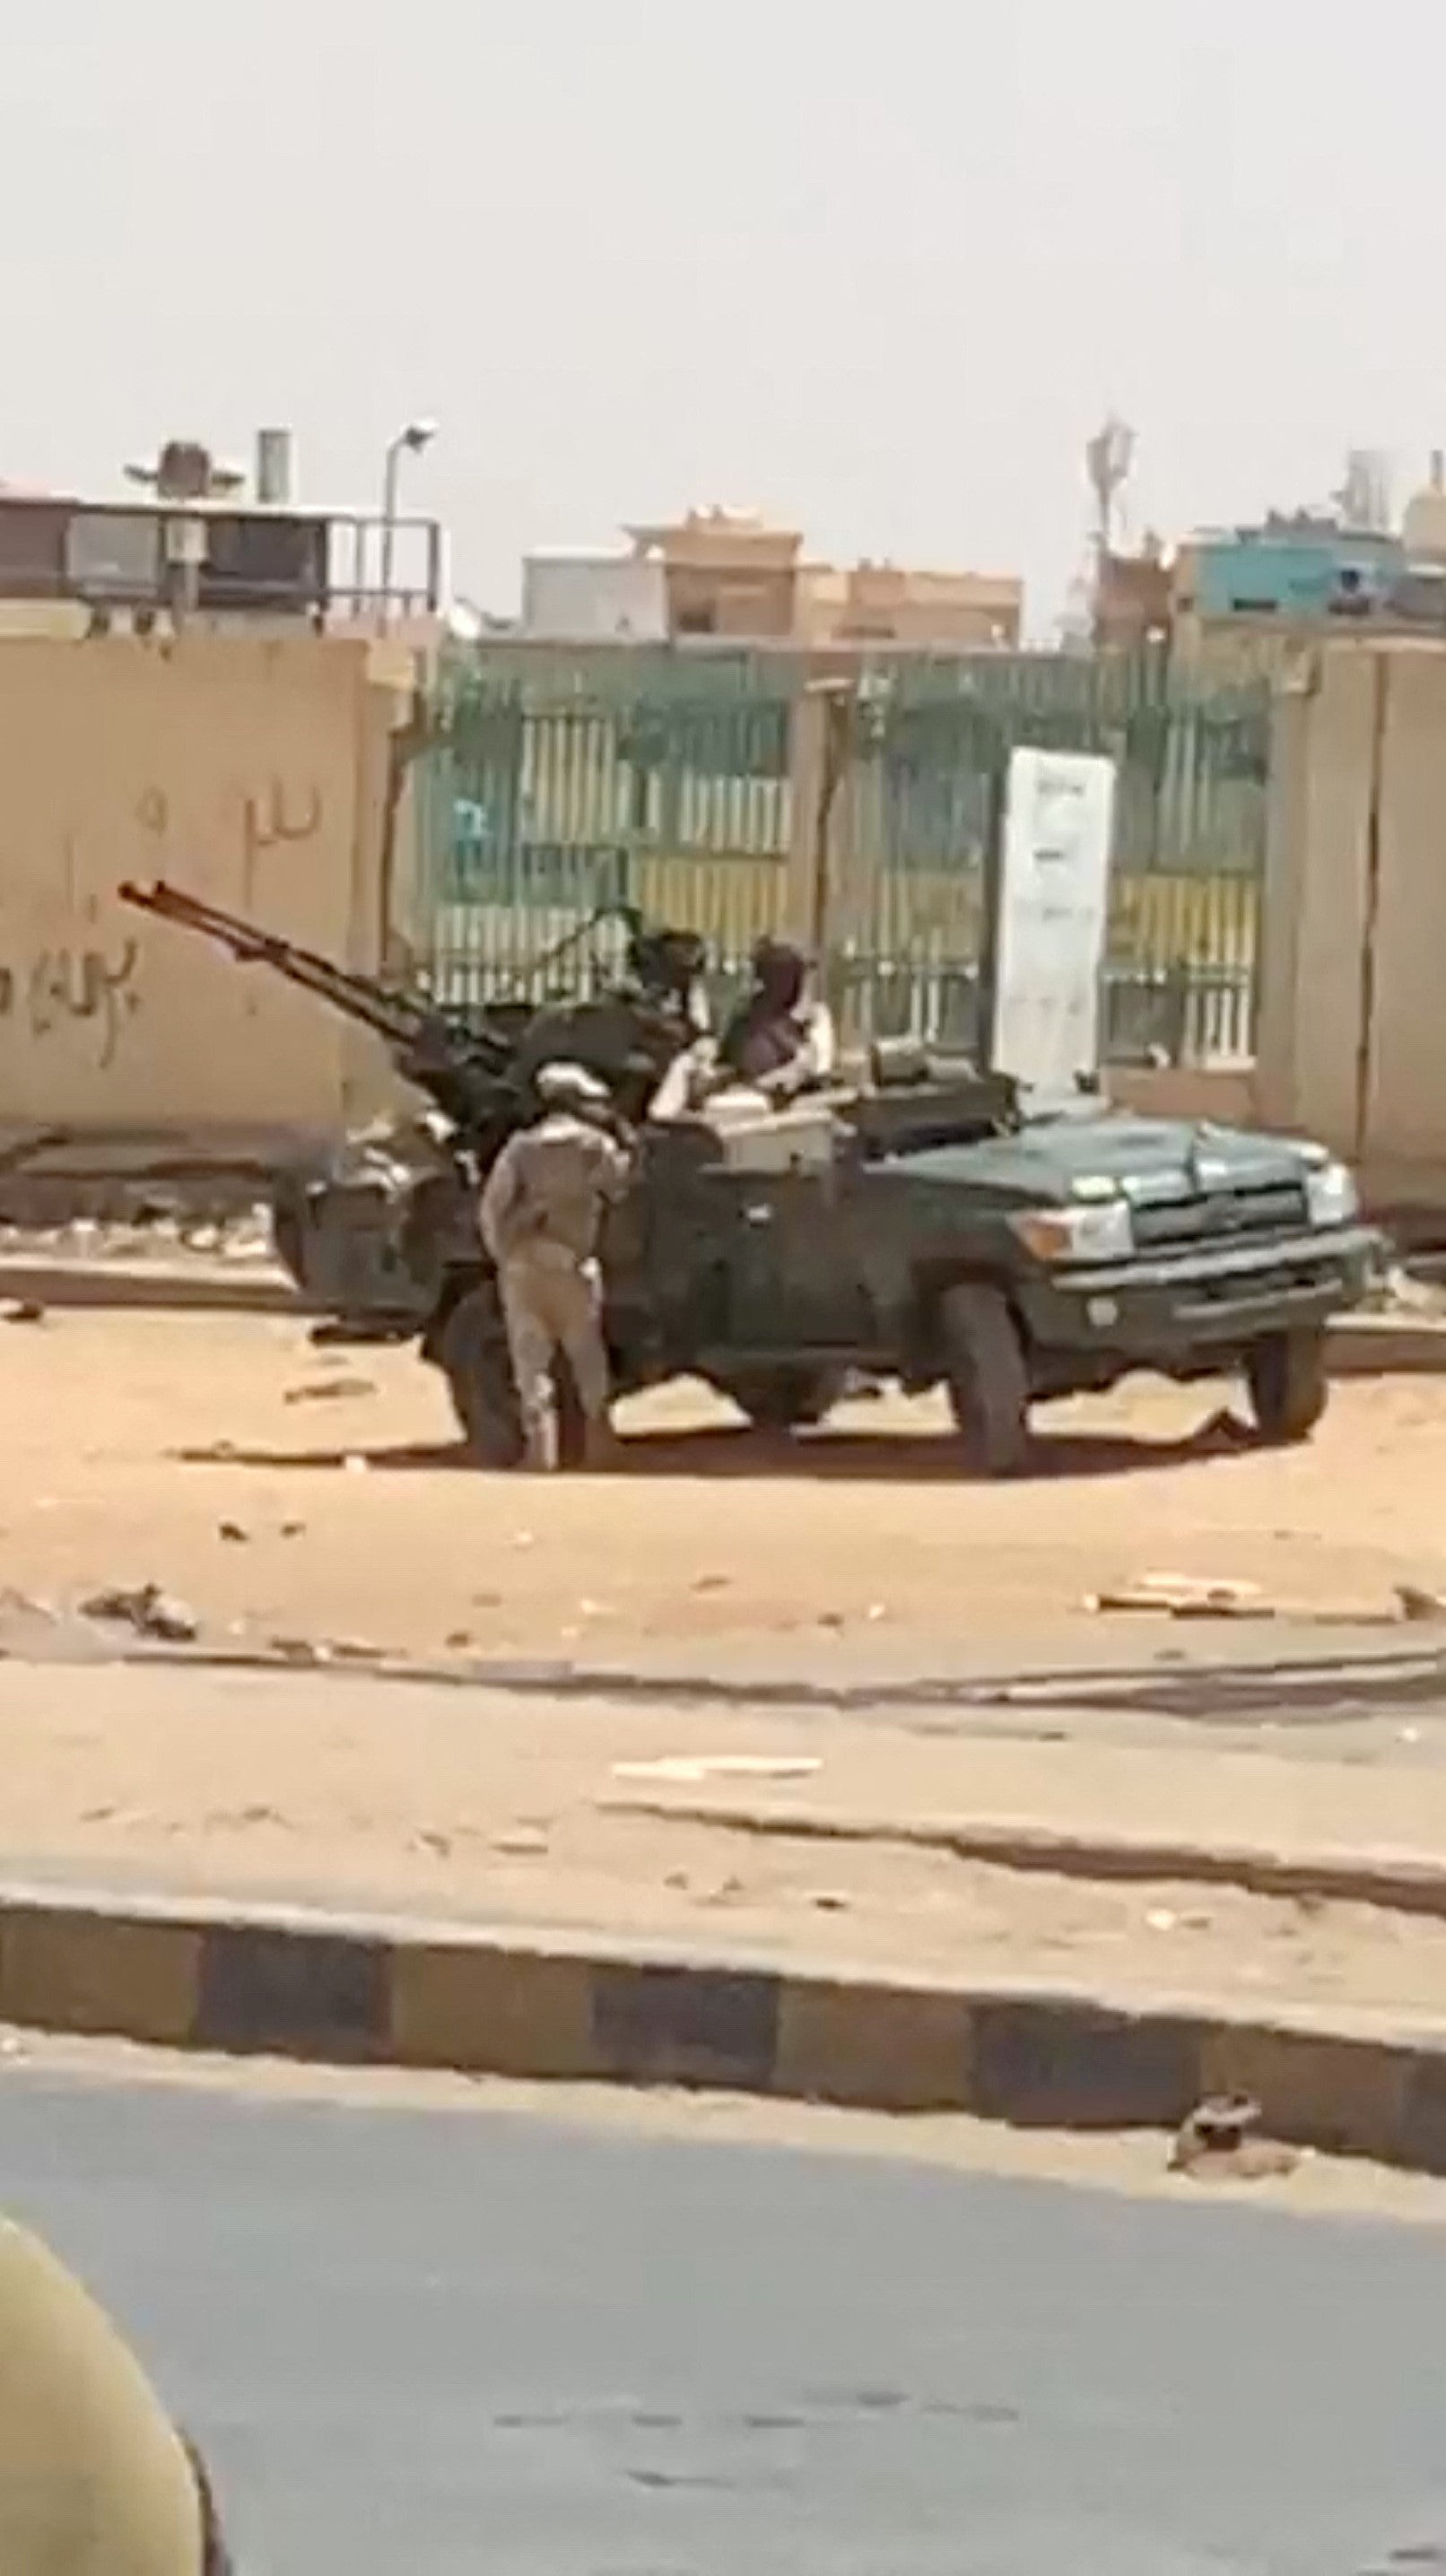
(878,270)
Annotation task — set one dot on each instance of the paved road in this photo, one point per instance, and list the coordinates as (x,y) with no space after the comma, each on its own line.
(441,2342)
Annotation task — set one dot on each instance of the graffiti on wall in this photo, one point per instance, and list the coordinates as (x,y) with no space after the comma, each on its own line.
(272,819)
(73,987)
(83,986)
(278,813)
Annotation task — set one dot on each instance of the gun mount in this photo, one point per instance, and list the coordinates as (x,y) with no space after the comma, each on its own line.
(366,1237)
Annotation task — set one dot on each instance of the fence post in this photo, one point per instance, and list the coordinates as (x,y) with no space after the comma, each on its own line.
(807,775)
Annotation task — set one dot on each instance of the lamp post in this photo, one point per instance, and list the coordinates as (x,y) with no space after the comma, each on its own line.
(410,441)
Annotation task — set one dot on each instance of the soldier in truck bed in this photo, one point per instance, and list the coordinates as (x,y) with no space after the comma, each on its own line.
(780,1040)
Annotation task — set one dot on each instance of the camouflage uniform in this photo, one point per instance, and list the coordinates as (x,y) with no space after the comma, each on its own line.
(541,1217)
(94,2479)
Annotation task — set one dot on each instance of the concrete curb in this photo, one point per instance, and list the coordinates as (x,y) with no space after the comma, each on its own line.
(1391,1879)
(167,1288)
(371,1990)
(1387,1346)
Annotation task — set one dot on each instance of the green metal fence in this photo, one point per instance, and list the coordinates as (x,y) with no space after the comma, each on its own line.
(734,792)
(920,798)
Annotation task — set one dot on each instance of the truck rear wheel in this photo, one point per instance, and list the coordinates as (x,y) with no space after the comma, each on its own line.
(987,1380)
(473,1356)
(1288,1381)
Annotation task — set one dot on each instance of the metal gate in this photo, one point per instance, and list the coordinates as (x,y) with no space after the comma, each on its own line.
(920,800)
(736,792)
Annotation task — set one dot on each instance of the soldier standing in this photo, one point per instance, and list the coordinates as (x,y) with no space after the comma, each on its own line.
(541,1218)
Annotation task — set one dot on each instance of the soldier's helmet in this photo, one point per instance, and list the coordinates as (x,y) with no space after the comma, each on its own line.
(563,1085)
(94,2477)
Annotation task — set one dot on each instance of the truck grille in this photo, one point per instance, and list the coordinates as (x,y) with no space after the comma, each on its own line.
(1222,1216)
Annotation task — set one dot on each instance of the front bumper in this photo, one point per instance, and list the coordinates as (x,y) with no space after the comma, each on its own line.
(1207,1299)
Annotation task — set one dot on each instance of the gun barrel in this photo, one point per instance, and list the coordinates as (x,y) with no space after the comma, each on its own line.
(401,1018)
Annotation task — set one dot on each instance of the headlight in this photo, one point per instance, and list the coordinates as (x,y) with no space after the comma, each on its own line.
(1099,1232)
(1330,1195)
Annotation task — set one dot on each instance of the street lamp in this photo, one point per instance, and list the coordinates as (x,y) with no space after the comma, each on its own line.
(410,441)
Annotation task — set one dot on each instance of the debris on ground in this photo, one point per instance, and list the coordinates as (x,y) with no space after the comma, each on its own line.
(28,1311)
(521,1842)
(689,1767)
(299,1650)
(320,1390)
(233,1531)
(25,1605)
(1186,1596)
(1225,1431)
(1415,1602)
(1408,1292)
(1224,2138)
(148,1610)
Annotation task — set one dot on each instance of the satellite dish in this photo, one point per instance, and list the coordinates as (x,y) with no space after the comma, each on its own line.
(187,471)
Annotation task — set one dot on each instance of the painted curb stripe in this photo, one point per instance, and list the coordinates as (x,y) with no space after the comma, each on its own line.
(366,1993)
(293,1995)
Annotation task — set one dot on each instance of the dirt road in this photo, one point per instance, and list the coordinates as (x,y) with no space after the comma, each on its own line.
(135,1442)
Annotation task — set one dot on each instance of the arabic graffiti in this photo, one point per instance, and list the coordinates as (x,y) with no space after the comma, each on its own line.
(269,821)
(271,816)
(62,987)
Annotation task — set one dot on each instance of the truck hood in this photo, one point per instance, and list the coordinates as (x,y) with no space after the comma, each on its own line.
(1152,1160)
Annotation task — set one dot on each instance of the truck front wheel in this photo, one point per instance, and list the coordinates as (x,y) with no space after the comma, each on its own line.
(1288,1383)
(987,1379)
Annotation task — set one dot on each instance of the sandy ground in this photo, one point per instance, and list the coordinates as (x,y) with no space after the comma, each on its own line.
(133,1439)
(474,1804)
(286,1493)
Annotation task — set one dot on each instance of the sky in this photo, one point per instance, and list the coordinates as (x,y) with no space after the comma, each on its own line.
(876,271)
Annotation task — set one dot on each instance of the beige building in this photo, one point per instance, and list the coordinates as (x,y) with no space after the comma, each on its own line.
(730,574)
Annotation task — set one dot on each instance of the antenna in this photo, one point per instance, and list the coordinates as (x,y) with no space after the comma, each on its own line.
(1108,458)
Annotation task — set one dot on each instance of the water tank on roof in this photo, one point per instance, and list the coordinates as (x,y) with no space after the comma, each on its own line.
(1424,524)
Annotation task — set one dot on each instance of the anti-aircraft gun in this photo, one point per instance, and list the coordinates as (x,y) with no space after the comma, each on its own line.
(368,1235)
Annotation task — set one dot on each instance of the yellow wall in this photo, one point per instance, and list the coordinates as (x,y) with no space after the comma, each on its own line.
(247,770)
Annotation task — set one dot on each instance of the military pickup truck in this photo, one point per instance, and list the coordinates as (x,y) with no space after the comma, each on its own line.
(933,1225)
(936,1229)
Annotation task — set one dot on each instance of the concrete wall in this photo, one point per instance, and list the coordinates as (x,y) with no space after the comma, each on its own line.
(1353,1006)
(250,771)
